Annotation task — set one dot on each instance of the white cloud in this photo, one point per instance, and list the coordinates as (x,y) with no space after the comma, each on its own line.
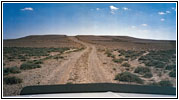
(144,25)
(174,8)
(125,8)
(97,9)
(27,8)
(161,13)
(162,19)
(168,12)
(113,9)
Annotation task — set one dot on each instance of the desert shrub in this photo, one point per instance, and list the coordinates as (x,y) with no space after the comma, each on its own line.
(130,54)
(118,60)
(58,57)
(15,70)
(154,84)
(158,59)
(165,83)
(114,69)
(172,73)
(160,64)
(12,80)
(27,65)
(127,68)
(142,58)
(141,70)
(112,56)
(61,50)
(49,57)
(69,83)
(37,62)
(157,64)
(120,55)
(23,59)
(28,51)
(126,64)
(162,83)
(126,59)
(6,71)
(159,74)
(148,75)
(11,57)
(128,77)
(170,67)
(9,70)
(108,53)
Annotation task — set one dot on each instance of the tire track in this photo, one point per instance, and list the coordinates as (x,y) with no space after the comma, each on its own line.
(81,67)
(80,73)
(89,69)
(98,72)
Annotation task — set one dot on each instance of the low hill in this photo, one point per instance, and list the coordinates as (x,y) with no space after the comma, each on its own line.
(41,41)
(129,43)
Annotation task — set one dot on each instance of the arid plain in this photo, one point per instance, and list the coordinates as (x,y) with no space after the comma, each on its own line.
(60,59)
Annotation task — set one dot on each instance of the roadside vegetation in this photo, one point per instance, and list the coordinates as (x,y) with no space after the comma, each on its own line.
(130,54)
(12,80)
(162,83)
(170,67)
(29,65)
(9,70)
(159,59)
(24,54)
(148,63)
(172,73)
(109,54)
(128,77)
(126,64)
(120,60)
(145,71)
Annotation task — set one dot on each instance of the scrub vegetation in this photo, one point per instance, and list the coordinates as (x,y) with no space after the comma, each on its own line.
(128,77)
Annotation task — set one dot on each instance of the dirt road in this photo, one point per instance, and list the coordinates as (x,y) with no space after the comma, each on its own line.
(81,67)
(77,67)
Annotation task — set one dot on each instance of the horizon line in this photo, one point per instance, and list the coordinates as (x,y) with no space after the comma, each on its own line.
(88,35)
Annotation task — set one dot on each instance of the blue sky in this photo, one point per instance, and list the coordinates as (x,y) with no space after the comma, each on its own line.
(142,20)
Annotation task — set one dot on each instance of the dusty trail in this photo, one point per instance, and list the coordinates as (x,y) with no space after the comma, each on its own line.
(77,67)
(81,67)
(89,69)
(97,69)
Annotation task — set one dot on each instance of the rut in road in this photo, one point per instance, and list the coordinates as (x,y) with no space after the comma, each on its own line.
(82,67)
(89,69)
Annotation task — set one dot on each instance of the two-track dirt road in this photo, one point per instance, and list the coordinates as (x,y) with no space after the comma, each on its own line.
(81,67)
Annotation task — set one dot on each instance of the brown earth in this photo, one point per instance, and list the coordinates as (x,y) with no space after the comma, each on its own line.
(78,67)
(127,43)
(89,65)
(41,41)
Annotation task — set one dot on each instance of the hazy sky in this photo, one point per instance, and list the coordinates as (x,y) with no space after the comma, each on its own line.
(142,20)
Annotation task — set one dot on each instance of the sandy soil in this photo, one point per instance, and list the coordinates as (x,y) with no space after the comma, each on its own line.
(77,67)
(127,43)
(89,65)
